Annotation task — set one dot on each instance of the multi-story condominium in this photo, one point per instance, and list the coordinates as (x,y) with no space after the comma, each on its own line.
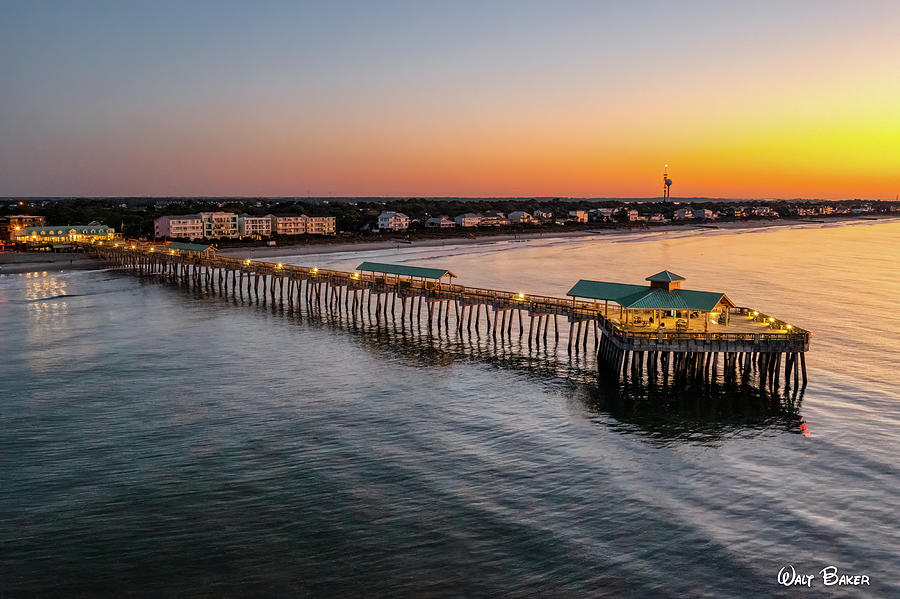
(520,217)
(393,221)
(302,225)
(321,225)
(289,225)
(11,227)
(469,219)
(185,226)
(441,222)
(219,224)
(579,216)
(254,226)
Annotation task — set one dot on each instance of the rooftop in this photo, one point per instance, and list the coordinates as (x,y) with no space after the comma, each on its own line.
(404,271)
(188,247)
(665,276)
(641,297)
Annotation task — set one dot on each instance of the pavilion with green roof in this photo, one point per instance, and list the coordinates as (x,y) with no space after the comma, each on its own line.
(401,271)
(662,304)
(189,248)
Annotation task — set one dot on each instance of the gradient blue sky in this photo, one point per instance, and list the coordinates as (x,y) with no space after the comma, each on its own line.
(758,99)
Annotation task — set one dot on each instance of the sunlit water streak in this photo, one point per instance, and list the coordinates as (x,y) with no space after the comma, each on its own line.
(162,441)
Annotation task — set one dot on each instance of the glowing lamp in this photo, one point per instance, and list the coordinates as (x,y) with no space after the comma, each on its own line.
(315,269)
(279,265)
(521,296)
(771,319)
(789,327)
(755,313)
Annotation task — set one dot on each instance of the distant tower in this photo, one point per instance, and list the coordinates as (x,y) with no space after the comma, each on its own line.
(668,183)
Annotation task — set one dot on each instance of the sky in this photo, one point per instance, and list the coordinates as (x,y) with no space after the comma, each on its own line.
(581,99)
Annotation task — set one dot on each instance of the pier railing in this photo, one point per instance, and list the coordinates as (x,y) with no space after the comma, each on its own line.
(573,309)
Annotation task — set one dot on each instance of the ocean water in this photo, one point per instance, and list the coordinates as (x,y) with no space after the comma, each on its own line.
(161,441)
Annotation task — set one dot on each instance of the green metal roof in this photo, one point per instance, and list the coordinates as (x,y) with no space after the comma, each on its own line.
(604,291)
(404,271)
(640,297)
(187,247)
(676,299)
(664,277)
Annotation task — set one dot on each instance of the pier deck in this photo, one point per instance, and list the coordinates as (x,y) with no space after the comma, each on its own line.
(750,341)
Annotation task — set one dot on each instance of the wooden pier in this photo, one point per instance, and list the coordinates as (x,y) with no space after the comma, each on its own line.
(753,347)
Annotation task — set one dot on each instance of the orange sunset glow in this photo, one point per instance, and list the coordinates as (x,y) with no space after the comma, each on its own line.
(578,101)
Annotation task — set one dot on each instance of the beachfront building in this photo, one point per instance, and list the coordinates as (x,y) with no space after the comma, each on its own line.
(602,214)
(631,215)
(543,215)
(393,221)
(185,226)
(520,217)
(442,222)
(219,224)
(663,305)
(321,225)
(578,216)
(12,226)
(469,219)
(288,224)
(254,226)
(765,211)
(302,224)
(813,210)
(493,219)
(734,212)
(64,234)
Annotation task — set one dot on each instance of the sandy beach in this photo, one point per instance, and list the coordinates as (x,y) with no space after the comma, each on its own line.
(21,262)
(365,246)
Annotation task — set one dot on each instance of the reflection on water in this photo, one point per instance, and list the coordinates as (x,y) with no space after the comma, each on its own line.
(164,442)
(663,410)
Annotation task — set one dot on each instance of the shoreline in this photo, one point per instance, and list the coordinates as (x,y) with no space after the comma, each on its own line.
(16,263)
(299,249)
(19,262)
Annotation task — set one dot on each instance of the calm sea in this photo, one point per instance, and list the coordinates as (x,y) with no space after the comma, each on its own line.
(158,441)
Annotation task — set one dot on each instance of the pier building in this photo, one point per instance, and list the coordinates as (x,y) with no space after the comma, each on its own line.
(663,305)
